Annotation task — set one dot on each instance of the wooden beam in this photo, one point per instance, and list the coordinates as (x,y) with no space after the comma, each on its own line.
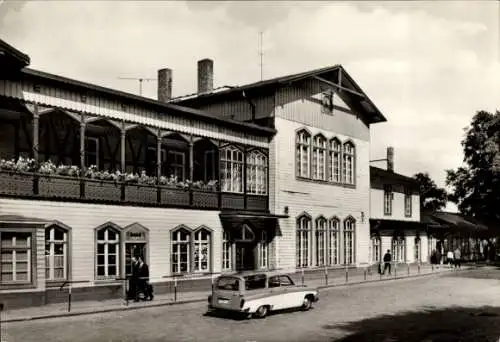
(82,142)
(129,127)
(338,86)
(35,134)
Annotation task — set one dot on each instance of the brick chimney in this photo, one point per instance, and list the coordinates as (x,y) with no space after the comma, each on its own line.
(390,158)
(164,85)
(205,75)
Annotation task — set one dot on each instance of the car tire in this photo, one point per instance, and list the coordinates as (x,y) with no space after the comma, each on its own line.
(306,304)
(262,311)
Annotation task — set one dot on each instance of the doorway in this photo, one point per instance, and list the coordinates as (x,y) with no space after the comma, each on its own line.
(133,250)
(245,256)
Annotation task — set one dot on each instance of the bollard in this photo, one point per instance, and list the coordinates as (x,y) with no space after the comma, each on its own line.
(302,275)
(365,274)
(432,267)
(395,270)
(408,270)
(1,310)
(380,270)
(346,274)
(69,297)
(326,275)
(418,268)
(175,289)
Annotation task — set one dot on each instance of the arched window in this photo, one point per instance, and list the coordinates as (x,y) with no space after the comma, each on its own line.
(319,157)
(333,241)
(303,150)
(376,249)
(335,152)
(321,247)
(418,249)
(349,154)
(227,252)
(231,169)
(108,251)
(256,173)
(181,250)
(399,249)
(303,240)
(263,250)
(56,253)
(349,238)
(202,250)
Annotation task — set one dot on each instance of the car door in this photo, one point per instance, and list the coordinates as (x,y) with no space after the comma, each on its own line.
(276,293)
(291,294)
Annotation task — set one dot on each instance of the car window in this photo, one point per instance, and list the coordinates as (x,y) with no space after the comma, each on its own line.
(255,282)
(228,283)
(285,281)
(274,281)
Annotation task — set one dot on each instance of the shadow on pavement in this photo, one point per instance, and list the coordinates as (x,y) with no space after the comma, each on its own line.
(450,324)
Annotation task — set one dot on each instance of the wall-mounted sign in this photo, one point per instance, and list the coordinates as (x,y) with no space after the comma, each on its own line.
(136,236)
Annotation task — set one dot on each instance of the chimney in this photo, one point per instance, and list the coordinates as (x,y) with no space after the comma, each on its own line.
(205,75)
(164,85)
(390,159)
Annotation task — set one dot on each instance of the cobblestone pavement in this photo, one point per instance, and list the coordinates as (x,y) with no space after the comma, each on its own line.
(449,307)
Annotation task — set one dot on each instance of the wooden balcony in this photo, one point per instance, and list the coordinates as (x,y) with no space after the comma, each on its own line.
(73,189)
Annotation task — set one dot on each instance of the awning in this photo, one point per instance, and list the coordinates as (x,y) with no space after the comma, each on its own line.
(233,220)
(250,215)
(454,223)
(395,225)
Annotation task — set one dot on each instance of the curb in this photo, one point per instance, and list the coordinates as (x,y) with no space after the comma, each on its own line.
(189,301)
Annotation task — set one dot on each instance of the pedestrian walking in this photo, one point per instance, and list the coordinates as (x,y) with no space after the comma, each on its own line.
(449,258)
(387,261)
(132,281)
(457,258)
(144,286)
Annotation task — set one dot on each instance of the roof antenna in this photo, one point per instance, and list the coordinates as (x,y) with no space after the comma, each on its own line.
(140,79)
(261,54)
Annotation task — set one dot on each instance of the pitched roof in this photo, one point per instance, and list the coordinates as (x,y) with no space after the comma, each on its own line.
(361,98)
(390,175)
(11,54)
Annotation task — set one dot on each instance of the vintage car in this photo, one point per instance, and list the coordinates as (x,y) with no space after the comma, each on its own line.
(257,293)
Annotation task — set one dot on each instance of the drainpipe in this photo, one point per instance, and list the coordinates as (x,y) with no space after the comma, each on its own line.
(251,104)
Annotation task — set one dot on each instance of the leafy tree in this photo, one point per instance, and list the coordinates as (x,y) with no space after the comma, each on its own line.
(432,197)
(476,184)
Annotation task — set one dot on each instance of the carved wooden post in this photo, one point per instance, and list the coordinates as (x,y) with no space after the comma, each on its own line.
(82,143)
(158,154)
(191,158)
(245,152)
(122,148)
(36,118)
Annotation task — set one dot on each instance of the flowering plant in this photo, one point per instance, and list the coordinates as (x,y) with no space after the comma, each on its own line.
(21,165)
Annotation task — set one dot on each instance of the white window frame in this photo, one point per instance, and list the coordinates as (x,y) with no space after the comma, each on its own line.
(263,248)
(335,161)
(303,154)
(93,153)
(12,250)
(257,169)
(107,242)
(376,249)
(321,242)
(198,244)
(319,161)
(418,249)
(388,200)
(399,249)
(348,163)
(349,238)
(408,202)
(177,167)
(176,244)
(227,251)
(303,250)
(231,169)
(50,255)
(333,241)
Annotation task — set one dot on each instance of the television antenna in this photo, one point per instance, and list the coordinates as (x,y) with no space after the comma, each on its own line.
(140,79)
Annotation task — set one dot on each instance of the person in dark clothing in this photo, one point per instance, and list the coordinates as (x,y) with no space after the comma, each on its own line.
(143,282)
(387,261)
(132,282)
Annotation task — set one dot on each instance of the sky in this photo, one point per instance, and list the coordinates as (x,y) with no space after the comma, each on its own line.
(428,66)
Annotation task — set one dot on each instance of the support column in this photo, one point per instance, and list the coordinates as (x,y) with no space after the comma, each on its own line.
(191,158)
(36,119)
(245,151)
(158,155)
(122,148)
(82,144)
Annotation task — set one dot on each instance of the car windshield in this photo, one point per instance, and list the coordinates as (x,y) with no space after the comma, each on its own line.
(228,283)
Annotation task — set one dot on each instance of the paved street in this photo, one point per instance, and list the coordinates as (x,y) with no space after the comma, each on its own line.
(450,307)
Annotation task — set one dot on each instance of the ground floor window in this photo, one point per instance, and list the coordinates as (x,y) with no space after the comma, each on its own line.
(201,250)
(227,252)
(399,249)
(108,252)
(321,246)
(15,257)
(376,249)
(56,253)
(191,251)
(333,241)
(263,251)
(303,241)
(181,243)
(417,249)
(349,240)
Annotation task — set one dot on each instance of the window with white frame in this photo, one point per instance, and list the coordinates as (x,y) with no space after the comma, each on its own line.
(177,164)
(256,173)
(181,250)
(349,238)
(319,158)
(303,153)
(376,249)
(399,249)
(387,200)
(15,258)
(231,169)
(408,202)
(56,253)
(227,252)
(321,247)
(107,253)
(335,152)
(91,151)
(201,250)
(303,241)
(333,241)
(418,249)
(349,154)
(263,250)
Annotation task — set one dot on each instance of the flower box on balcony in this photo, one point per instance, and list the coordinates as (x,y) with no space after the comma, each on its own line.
(205,199)
(58,186)
(16,183)
(233,201)
(139,193)
(103,190)
(174,196)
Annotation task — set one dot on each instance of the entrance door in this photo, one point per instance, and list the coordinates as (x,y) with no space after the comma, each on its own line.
(131,250)
(245,258)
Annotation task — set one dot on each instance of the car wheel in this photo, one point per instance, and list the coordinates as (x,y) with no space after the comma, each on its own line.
(306,304)
(262,311)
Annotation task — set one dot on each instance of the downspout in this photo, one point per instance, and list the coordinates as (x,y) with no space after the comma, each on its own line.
(251,103)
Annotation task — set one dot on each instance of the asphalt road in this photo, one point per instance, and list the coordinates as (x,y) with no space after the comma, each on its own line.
(460,307)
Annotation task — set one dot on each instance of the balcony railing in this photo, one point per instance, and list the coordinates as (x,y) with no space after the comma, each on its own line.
(55,187)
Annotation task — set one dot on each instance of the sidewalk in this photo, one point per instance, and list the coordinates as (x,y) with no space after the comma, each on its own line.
(316,279)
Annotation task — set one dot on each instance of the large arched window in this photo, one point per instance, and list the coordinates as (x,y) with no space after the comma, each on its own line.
(334,160)
(349,155)
(256,173)
(319,157)
(181,250)
(376,249)
(303,153)
(349,240)
(263,250)
(303,240)
(231,169)
(201,250)
(56,252)
(418,249)
(108,239)
(321,239)
(227,252)
(399,248)
(333,241)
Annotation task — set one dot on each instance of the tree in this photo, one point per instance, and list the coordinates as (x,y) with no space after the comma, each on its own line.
(432,197)
(476,184)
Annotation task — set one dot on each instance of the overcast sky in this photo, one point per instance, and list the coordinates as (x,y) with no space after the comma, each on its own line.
(428,66)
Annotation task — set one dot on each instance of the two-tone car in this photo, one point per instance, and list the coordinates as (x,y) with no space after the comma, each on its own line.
(258,293)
